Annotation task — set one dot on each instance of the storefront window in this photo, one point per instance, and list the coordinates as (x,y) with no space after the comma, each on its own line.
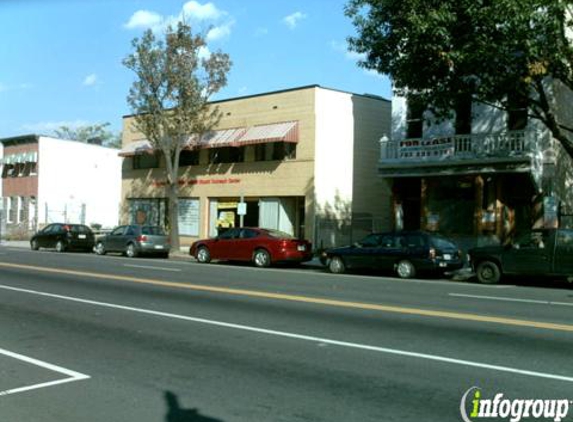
(145,161)
(147,211)
(275,151)
(189,217)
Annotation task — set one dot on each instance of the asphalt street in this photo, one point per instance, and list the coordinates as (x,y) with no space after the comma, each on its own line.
(90,338)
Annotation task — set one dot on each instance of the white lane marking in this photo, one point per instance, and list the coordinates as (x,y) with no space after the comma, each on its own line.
(72,375)
(318,340)
(152,268)
(512,299)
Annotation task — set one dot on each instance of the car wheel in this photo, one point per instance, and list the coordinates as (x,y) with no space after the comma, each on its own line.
(336,265)
(34,245)
(164,255)
(131,252)
(203,255)
(405,269)
(261,258)
(100,248)
(60,247)
(488,272)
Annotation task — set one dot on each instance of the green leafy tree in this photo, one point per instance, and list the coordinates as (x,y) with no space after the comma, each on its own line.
(87,133)
(170,97)
(497,51)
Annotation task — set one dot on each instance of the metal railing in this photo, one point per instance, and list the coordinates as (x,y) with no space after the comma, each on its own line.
(477,146)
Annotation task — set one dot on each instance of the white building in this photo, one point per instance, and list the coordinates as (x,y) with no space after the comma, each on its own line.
(47,180)
(483,174)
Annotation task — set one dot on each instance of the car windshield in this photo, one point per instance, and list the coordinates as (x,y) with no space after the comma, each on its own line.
(152,231)
(279,235)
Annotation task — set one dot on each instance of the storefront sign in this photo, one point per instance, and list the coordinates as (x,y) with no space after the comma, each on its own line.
(426,148)
(192,182)
(189,217)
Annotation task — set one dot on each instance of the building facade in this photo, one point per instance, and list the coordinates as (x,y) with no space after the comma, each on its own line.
(47,180)
(302,161)
(484,176)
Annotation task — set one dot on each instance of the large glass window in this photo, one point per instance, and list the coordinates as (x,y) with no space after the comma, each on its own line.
(415,117)
(226,155)
(188,158)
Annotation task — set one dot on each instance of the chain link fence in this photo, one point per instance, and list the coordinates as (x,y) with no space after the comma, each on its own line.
(332,232)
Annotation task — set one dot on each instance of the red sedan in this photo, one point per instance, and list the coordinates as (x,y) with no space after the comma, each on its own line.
(261,246)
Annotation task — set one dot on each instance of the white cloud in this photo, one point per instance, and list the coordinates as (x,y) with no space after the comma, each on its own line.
(293,19)
(90,80)
(242,90)
(144,19)
(204,52)
(192,12)
(196,11)
(342,47)
(373,73)
(219,32)
(46,127)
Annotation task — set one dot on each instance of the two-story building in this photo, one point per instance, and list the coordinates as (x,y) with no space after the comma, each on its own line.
(301,160)
(483,176)
(47,180)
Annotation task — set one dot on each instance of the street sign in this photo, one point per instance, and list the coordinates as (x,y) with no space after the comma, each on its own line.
(242,208)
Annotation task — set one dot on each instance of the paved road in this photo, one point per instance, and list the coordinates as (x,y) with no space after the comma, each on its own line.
(88,338)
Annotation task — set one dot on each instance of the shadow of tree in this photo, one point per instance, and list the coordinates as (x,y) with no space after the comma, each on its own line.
(175,413)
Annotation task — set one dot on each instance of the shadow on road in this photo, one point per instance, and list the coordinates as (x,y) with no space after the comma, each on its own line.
(177,414)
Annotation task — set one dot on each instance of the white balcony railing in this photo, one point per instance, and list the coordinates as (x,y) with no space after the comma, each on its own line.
(459,147)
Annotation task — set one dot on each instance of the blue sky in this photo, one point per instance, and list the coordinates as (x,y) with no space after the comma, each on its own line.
(61,59)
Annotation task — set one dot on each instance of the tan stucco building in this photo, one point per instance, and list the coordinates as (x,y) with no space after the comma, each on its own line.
(304,160)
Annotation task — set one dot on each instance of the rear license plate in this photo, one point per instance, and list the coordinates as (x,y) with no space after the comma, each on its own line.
(301,248)
(158,246)
(81,236)
(447,256)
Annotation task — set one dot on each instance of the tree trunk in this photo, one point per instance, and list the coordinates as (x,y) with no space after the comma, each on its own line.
(173,207)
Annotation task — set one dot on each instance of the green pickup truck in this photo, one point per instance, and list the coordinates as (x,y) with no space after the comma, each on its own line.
(547,252)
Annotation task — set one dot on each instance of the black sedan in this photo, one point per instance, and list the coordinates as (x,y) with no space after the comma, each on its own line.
(405,253)
(62,237)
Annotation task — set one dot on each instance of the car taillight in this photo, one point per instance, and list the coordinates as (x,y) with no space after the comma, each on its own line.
(432,253)
(142,238)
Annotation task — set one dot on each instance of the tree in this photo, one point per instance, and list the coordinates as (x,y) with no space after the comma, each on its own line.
(89,132)
(170,98)
(501,52)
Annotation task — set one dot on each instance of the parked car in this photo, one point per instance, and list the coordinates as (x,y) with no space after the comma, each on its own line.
(405,253)
(261,246)
(133,240)
(536,253)
(62,237)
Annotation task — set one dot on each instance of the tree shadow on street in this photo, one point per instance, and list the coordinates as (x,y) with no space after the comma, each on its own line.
(175,413)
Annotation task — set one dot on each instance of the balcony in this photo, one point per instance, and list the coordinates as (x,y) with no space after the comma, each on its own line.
(488,152)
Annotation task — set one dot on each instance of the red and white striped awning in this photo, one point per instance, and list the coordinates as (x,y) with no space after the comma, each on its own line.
(276,132)
(136,148)
(261,134)
(217,139)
